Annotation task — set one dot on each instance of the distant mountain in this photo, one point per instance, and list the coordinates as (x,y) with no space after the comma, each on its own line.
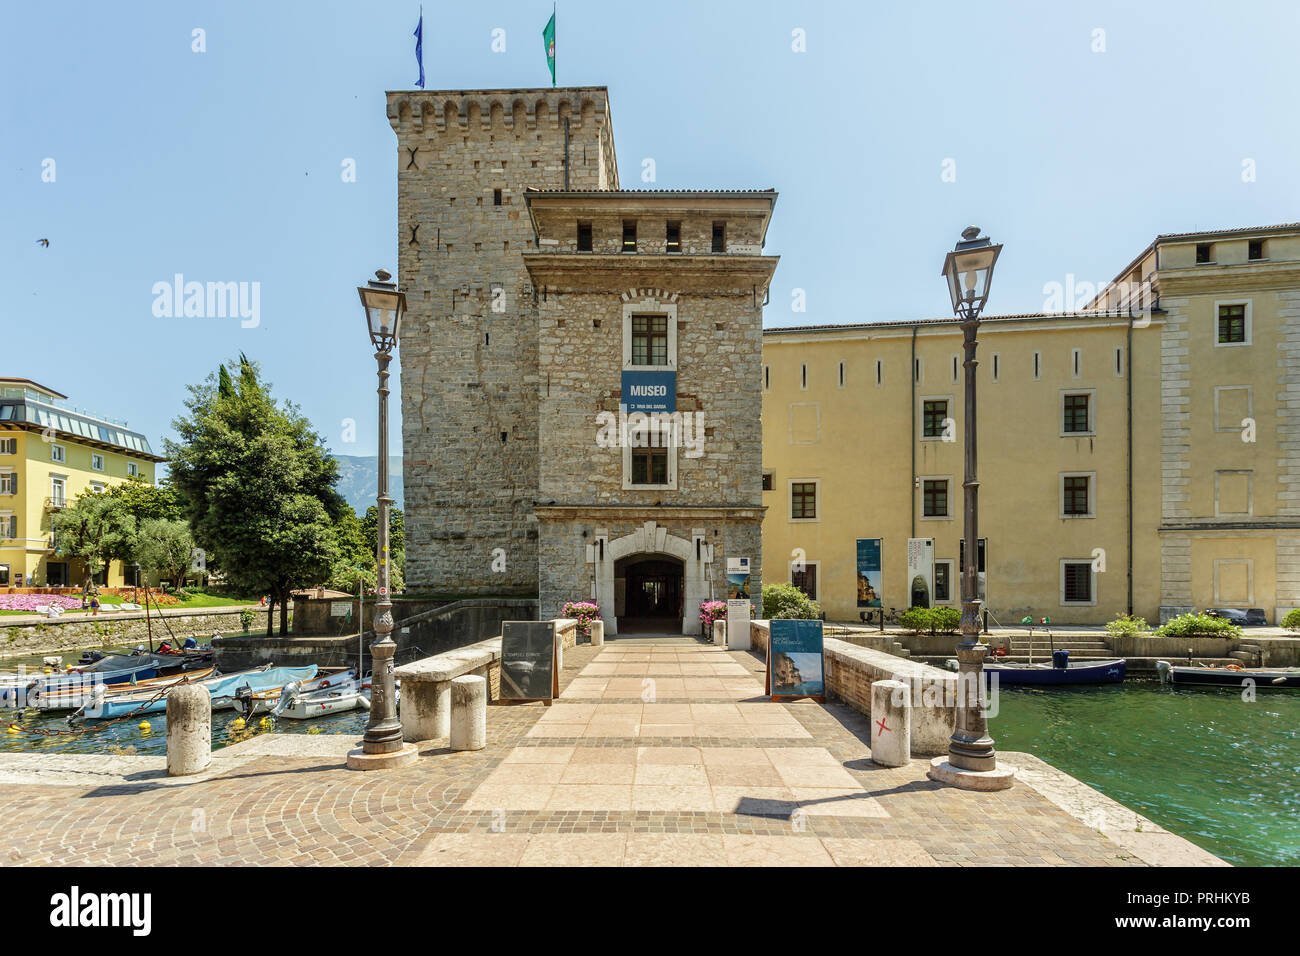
(359,480)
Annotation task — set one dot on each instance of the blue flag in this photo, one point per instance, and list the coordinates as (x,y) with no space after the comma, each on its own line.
(419,48)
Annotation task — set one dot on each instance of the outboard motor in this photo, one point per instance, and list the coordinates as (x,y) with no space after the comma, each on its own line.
(287,696)
(1061,659)
(244,701)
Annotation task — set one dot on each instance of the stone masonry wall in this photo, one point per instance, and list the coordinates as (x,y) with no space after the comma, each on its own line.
(469,346)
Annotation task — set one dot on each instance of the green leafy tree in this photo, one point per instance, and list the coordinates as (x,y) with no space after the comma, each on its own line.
(258,487)
(146,502)
(165,548)
(96,528)
(396,542)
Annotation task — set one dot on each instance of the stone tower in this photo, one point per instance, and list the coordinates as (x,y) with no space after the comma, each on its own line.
(469,349)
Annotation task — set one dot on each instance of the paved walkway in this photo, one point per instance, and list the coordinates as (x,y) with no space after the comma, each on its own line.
(654,754)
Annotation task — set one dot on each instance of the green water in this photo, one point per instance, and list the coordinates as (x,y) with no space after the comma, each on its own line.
(1217,770)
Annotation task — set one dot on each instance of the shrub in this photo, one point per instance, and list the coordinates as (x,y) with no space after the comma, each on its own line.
(786,602)
(584,612)
(944,620)
(711,611)
(1292,620)
(1198,625)
(1127,624)
(246,618)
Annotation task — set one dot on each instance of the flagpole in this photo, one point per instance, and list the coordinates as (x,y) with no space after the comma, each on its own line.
(555,17)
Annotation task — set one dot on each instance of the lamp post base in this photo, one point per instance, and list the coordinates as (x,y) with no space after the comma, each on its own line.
(360,760)
(942,771)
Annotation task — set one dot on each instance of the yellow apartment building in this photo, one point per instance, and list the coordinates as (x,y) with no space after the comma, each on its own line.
(51,452)
(1139,454)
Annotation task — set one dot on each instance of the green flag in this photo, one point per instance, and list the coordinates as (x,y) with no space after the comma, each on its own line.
(548,40)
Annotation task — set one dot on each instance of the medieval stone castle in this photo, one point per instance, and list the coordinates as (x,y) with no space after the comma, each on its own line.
(543,303)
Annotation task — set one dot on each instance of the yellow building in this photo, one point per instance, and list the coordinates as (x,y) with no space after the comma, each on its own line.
(1139,454)
(49,454)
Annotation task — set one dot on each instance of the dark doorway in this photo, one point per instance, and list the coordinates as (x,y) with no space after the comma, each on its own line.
(652,592)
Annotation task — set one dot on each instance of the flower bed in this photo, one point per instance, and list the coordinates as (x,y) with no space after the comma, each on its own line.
(30,602)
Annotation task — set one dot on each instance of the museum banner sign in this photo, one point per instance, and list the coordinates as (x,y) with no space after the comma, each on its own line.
(649,391)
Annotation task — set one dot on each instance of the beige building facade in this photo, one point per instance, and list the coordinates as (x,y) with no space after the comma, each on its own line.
(1139,454)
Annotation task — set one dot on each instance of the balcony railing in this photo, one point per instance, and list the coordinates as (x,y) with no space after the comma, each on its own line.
(55,503)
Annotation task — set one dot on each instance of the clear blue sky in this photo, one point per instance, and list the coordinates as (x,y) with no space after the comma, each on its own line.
(225,165)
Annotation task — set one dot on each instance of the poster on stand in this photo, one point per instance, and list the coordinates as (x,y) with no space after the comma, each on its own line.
(795,660)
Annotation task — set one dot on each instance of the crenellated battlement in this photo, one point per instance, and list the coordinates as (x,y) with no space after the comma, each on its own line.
(424,111)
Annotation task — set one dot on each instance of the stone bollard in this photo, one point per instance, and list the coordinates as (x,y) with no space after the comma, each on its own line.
(468,713)
(425,711)
(189,729)
(720,633)
(597,633)
(891,723)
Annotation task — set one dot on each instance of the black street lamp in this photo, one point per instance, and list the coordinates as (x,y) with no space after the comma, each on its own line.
(971,761)
(382,746)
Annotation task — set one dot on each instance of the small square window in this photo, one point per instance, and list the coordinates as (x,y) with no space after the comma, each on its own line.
(942,582)
(650,466)
(1075,416)
(97,462)
(8,446)
(496,197)
(803,499)
(1075,495)
(57,453)
(767,481)
(132,469)
(1232,324)
(1077,583)
(673,240)
(934,495)
(719,237)
(629,235)
(934,416)
(805,580)
(1203,252)
(1256,249)
(584,237)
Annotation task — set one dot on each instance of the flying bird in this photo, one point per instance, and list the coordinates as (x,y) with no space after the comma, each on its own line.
(44,242)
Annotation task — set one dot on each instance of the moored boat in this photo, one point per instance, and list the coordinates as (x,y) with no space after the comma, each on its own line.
(303,705)
(1230,675)
(1048,675)
(261,695)
(221,689)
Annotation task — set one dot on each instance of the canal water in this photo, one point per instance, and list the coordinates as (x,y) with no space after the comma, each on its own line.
(1217,770)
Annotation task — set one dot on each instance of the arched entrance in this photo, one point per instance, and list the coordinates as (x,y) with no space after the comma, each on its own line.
(649,593)
(650,542)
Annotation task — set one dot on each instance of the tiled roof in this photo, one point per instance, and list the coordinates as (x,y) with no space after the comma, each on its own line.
(1281,227)
(904,323)
(534,191)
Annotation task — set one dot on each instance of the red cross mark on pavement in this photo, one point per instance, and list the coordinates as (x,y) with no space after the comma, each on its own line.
(881,724)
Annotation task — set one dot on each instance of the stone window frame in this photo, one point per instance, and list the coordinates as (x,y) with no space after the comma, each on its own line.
(93,456)
(995,367)
(63,478)
(8,519)
(1092,412)
(815,405)
(8,446)
(1250,406)
(1248,330)
(58,453)
(920,492)
(817,499)
(1092,495)
(817,576)
(11,474)
(1250,492)
(650,307)
(1092,583)
(1219,600)
(949,401)
(1076,363)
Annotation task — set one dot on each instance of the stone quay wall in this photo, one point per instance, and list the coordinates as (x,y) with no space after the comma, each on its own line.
(120,628)
(851,670)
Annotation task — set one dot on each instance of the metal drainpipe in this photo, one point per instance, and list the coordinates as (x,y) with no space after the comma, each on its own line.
(1128,370)
(911,375)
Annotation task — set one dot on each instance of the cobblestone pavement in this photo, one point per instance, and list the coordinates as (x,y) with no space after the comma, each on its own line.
(653,755)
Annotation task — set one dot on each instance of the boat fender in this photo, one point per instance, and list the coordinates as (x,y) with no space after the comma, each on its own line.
(365,703)
(144,727)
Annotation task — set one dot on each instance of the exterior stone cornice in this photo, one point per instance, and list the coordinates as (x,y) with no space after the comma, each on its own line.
(1211,280)
(575,512)
(594,272)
